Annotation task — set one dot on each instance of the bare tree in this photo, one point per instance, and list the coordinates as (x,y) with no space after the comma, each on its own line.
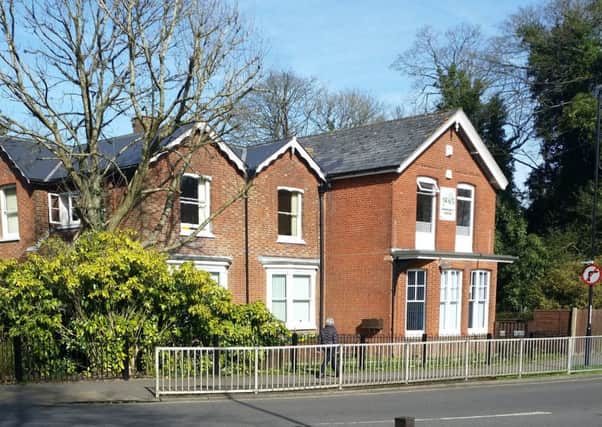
(284,104)
(279,107)
(497,64)
(347,109)
(74,67)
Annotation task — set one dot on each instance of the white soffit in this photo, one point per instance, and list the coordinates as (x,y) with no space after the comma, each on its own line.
(294,145)
(220,144)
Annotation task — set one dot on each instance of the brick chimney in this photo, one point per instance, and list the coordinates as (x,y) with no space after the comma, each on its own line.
(138,121)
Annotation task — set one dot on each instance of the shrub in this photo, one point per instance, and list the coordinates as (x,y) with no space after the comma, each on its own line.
(83,300)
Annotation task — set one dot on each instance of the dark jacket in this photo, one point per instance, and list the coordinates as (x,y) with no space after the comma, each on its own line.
(329,335)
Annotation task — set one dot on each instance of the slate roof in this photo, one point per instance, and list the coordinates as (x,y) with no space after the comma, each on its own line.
(378,146)
(37,164)
(34,162)
(254,155)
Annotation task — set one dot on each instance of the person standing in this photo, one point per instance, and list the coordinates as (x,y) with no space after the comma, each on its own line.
(329,336)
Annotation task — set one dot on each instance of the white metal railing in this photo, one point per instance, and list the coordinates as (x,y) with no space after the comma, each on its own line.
(200,370)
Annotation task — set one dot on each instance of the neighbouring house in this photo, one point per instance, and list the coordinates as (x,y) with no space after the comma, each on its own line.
(389,228)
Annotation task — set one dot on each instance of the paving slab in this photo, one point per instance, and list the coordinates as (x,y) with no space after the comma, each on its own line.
(105,391)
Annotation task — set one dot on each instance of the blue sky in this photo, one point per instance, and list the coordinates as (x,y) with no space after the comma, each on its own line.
(351,44)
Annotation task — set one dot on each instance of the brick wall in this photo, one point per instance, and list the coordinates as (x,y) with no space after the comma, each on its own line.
(433,163)
(26,212)
(357,241)
(289,170)
(227,228)
(367,216)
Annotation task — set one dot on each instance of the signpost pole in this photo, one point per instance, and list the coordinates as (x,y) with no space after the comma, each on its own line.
(590,295)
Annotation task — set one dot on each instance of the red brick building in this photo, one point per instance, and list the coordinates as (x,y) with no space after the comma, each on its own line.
(392,221)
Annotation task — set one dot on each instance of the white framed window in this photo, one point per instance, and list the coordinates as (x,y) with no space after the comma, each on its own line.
(290,215)
(195,204)
(62,209)
(291,296)
(10,213)
(217,269)
(415,302)
(478,302)
(450,306)
(464,217)
(426,212)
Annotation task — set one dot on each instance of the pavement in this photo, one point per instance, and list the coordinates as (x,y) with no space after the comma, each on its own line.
(102,391)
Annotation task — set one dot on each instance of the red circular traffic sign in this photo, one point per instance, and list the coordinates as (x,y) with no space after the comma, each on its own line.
(591,274)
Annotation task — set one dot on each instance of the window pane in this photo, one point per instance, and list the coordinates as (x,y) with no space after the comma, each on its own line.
(411,278)
(481,315)
(421,278)
(189,213)
(74,202)
(285,227)
(189,187)
(415,316)
(11,199)
(284,201)
(214,276)
(279,310)
(295,197)
(202,189)
(464,192)
(301,287)
(278,287)
(463,216)
(470,315)
(411,293)
(420,293)
(300,311)
(12,216)
(424,208)
(55,209)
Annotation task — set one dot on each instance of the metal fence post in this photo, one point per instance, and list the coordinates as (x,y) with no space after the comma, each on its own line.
(216,368)
(256,370)
(407,355)
(18,358)
(126,358)
(424,339)
(157,372)
(361,360)
(571,349)
(340,370)
(520,357)
(466,358)
(295,343)
(489,338)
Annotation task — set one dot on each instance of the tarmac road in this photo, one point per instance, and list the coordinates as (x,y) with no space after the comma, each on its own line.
(566,401)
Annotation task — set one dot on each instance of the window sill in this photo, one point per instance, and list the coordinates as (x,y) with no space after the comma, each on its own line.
(190,230)
(64,226)
(477,331)
(414,334)
(301,327)
(290,239)
(450,333)
(10,239)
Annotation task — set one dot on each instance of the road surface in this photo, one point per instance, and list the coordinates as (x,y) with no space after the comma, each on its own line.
(569,401)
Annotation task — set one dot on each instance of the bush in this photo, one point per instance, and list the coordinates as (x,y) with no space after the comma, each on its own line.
(82,300)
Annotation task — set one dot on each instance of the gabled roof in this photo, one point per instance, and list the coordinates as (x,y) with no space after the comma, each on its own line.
(259,157)
(37,164)
(383,147)
(393,145)
(34,162)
